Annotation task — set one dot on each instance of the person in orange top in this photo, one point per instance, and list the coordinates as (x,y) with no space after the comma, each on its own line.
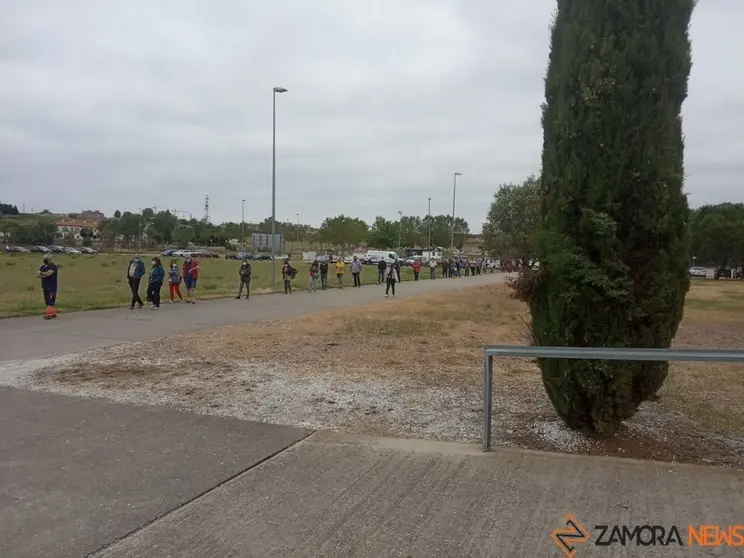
(416,267)
(340,266)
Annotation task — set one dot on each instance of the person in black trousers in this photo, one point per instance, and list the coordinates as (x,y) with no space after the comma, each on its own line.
(392,279)
(381,267)
(157,275)
(135,272)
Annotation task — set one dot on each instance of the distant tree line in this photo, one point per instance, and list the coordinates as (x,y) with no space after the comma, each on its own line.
(342,231)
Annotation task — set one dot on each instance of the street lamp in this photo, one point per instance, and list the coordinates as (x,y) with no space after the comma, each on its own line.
(454,196)
(297,233)
(400,228)
(429,214)
(273,187)
(242,224)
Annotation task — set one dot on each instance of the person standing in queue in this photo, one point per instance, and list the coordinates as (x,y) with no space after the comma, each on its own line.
(432,268)
(190,276)
(340,266)
(135,272)
(287,275)
(381,267)
(416,267)
(174,282)
(392,277)
(157,276)
(48,274)
(314,276)
(245,272)
(356,271)
(323,267)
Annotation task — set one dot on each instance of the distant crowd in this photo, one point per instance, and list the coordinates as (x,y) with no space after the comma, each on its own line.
(187,274)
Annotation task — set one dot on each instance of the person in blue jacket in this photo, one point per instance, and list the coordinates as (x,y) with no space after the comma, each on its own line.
(135,272)
(157,276)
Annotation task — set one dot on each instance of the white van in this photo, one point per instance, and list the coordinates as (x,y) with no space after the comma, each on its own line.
(374,257)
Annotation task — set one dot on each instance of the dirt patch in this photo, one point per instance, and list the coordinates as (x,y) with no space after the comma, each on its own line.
(412,368)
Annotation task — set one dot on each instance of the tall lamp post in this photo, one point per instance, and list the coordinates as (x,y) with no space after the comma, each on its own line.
(273,187)
(242,224)
(400,229)
(297,233)
(454,197)
(429,215)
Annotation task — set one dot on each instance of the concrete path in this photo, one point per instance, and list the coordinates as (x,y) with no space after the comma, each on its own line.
(77,474)
(87,476)
(32,337)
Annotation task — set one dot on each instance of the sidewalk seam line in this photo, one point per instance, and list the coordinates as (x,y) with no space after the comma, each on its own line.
(165,514)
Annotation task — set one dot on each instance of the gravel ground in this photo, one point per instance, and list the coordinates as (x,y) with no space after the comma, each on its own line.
(327,399)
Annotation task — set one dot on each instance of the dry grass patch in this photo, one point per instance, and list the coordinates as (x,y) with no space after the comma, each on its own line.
(434,339)
(413,367)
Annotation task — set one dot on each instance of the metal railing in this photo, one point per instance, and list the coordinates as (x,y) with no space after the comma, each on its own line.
(587,353)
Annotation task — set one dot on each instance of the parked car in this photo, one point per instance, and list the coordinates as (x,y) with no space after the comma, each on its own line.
(88,250)
(262,257)
(723,272)
(168,252)
(56,249)
(737,273)
(41,249)
(71,250)
(697,272)
(17,250)
(280,257)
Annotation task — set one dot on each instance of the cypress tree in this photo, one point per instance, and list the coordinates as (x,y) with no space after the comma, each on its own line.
(614,243)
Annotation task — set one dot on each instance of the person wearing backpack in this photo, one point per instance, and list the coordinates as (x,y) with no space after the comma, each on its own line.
(174,281)
(245,279)
(287,275)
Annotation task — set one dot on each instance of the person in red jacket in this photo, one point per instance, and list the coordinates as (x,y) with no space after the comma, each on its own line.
(190,276)
(416,267)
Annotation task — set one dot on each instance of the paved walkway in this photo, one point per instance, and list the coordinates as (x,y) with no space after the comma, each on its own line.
(32,337)
(85,476)
(82,476)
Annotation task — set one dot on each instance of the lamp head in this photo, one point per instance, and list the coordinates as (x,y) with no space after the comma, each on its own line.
(279,90)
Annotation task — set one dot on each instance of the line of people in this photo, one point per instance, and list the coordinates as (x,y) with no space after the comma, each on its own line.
(188,274)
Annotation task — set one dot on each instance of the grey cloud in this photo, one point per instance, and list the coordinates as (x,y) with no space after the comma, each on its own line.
(126,104)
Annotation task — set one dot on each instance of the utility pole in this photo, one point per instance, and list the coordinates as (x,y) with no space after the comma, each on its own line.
(400,229)
(298,229)
(139,231)
(429,214)
(273,188)
(454,196)
(242,225)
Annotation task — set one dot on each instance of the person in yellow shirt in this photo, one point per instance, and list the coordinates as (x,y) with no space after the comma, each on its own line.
(340,266)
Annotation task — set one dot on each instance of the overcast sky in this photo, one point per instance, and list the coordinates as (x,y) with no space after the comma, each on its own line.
(130,103)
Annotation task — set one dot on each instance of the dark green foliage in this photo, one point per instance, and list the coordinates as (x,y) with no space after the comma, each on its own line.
(614,242)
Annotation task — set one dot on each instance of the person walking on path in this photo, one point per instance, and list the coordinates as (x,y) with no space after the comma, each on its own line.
(392,278)
(356,270)
(174,282)
(190,276)
(157,275)
(432,269)
(135,272)
(323,267)
(416,267)
(340,266)
(48,275)
(287,275)
(314,276)
(381,267)
(244,273)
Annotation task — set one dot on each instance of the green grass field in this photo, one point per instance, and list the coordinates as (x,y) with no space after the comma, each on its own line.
(93,282)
